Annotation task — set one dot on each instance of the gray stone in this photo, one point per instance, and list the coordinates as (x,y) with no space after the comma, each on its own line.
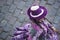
(5,9)
(21,17)
(27,19)
(17,12)
(4,22)
(9,38)
(12,8)
(17,24)
(8,16)
(20,5)
(57,19)
(51,1)
(51,10)
(17,1)
(58,12)
(29,3)
(2,2)
(9,2)
(3,35)
(56,5)
(1,29)
(1,16)
(7,27)
(42,3)
(12,31)
(12,20)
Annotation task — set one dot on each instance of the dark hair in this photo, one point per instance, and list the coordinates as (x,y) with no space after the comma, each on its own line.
(37,22)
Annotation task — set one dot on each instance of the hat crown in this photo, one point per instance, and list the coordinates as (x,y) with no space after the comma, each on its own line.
(33,8)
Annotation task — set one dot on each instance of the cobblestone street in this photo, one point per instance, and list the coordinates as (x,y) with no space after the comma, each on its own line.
(13,14)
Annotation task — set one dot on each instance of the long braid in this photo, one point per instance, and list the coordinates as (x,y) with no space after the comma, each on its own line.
(37,22)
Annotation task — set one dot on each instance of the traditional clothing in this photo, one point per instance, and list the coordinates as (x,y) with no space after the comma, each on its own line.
(34,32)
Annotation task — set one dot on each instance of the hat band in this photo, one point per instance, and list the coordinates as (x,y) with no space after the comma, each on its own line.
(42,11)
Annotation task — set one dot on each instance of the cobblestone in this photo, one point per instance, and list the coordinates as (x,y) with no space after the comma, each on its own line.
(4,22)
(12,8)
(1,29)
(17,12)
(56,5)
(51,1)
(58,12)
(21,18)
(3,35)
(7,27)
(9,38)
(8,16)
(2,2)
(9,2)
(57,19)
(17,24)
(5,9)
(29,3)
(12,20)
(20,6)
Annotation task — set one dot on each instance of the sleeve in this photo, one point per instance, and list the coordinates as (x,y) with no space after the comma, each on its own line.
(22,33)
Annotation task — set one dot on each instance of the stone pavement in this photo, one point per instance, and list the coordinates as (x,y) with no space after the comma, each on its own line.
(13,14)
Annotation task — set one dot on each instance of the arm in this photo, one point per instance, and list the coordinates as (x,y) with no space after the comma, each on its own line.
(22,33)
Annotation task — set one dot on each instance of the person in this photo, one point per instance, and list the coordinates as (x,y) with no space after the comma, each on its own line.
(39,28)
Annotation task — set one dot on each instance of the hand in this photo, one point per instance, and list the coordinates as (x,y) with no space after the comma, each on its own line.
(20,34)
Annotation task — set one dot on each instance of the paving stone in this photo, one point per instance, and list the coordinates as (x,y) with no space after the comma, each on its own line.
(17,1)
(8,16)
(42,3)
(7,27)
(5,9)
(9,2)
(20,5)
(17,12)
(57,19)
(17,24)
(56,5)
(21,18)
(29,3)
(9,38)
(1,29)
(3,35)
(58,12)
(12,20)
(12,8)
(12,31)
(27,18)
(0,8)
(1,16)
(51,1)
(2,2)
(4,22)
(51,10)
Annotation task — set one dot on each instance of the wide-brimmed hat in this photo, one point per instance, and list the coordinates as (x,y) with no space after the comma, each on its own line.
(37,12)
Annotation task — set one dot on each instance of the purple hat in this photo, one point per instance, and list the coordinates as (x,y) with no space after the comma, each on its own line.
(37,12)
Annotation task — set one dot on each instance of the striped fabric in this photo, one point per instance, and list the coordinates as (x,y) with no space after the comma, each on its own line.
(33,32)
